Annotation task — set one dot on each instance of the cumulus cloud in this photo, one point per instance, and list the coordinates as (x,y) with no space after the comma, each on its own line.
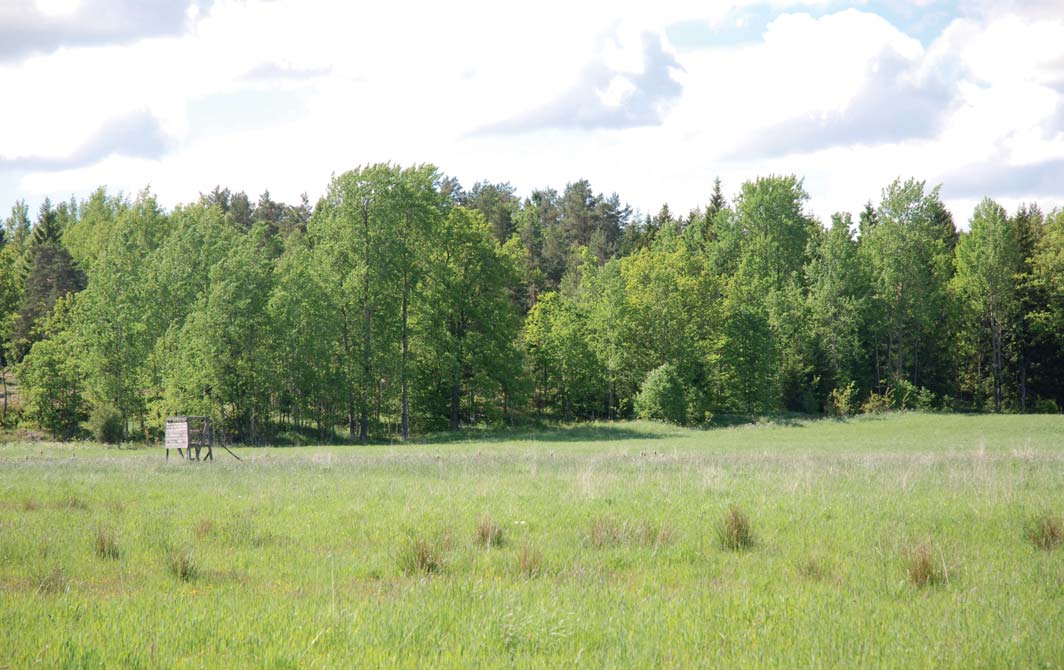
(604,97)
(34,27)
(883,91)
(136,135)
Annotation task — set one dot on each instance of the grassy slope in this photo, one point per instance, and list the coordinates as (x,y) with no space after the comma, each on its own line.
(300,551)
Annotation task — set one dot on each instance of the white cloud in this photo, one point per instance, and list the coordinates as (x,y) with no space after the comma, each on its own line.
(847,100)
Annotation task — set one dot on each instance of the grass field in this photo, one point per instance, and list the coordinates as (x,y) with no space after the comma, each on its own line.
(906,541)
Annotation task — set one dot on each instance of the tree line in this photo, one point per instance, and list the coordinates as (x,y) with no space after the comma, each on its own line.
(401,302)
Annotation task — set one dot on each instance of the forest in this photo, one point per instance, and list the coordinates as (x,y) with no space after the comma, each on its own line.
(402,303)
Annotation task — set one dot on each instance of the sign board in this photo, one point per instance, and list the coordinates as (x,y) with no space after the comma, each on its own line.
(177,434)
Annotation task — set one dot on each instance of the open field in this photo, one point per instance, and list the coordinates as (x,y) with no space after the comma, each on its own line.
(898,542)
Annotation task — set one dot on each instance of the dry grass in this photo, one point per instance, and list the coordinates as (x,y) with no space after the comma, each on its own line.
(1046,532)
(608,532)
(421,556)
(489,533)
(73,503)
(921,567)
(529,561)
(56,581)
(204,527)
(107,543)
(815,568)
(30,505)
(734,531)
(181,563)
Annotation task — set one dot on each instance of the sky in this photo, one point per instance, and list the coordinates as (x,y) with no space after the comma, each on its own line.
(651,100)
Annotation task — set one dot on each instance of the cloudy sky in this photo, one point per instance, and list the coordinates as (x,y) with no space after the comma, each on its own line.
(648,99)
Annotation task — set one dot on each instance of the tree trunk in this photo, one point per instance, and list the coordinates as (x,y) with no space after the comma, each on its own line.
(995,331)
(402,373)
(456,397)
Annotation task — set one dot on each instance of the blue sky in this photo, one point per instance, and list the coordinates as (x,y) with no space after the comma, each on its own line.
(649,100)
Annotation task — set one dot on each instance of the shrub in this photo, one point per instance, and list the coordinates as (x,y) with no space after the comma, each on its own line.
(107,424)
(181,563)
(1046,532)
(663,396)
(420,555)
(843,402)
(107,543)
(1046,406)
(877,404)
(734,531)
(489,534)
(910,396)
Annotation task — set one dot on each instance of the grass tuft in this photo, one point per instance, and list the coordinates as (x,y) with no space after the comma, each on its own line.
(1046,532)
(608,532)
(107,543)
(181,563)
(421,556)
(921,567)
(815,568)
(204,528)
(489,533)
(529,561)
(56,581)
(734,531)
(74,502)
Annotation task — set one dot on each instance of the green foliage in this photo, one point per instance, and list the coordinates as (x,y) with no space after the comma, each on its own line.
(843,401)
(662,396)
(878,403)
(107,424)
(50,379)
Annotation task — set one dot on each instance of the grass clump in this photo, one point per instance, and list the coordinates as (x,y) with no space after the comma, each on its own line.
(204,527)
(1046,532)
(489,533)
(608,532)
(107,543)
(420,555)
(181,563)
(529,561)
(921,567)
(75,503)
(56,581)
(734,531)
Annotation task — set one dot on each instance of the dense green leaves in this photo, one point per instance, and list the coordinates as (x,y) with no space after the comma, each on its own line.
(401,303)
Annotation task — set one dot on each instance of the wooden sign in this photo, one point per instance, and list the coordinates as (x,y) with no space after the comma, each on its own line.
(177,434)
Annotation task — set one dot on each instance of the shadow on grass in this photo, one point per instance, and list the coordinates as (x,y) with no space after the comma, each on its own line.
(789,419)
(597,432)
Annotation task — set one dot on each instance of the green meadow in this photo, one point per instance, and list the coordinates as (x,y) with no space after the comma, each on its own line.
(897,541)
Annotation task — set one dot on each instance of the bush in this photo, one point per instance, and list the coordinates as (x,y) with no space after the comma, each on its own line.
(843,402)
(910,396)
(107,424)
(1046,406)
(877,404)
(662,396)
